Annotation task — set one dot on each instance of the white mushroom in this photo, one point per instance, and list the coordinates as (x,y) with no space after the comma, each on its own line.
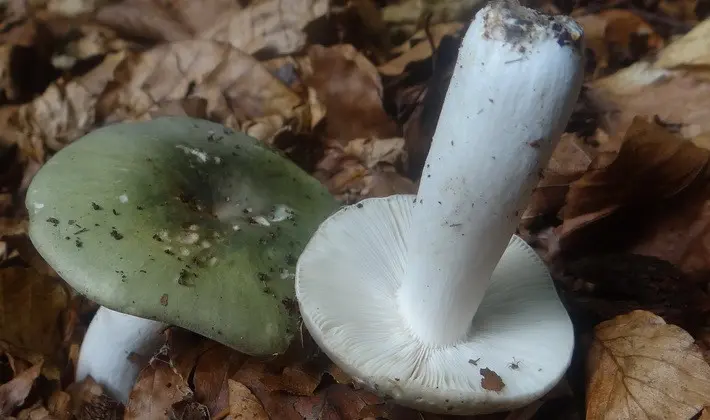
(432,300)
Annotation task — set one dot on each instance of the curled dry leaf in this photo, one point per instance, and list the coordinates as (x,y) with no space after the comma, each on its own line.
(652,198)
(238,91)
(64,112)
(275,26)
(31,307)
(243,404)
(641,367)
(675,87)
(348,85)
(88,402)
(157,389)
(617,37)
(418,48)
(569,161)
(13,393)
(211,373)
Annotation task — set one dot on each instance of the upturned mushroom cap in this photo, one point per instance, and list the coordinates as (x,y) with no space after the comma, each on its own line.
(518,347)
(183,221)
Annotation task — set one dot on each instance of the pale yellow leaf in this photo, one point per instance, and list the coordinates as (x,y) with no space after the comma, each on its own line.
(642,368)
(691,50)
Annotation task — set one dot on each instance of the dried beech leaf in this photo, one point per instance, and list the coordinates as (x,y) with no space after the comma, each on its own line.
(675,88)
(31,306)
(211,373)
(613,35)
(569,161)
(641,367)
(243,404)
(418,48)
(157,388)
(276,26)
(348,85)
(64,112)
(13,393)
(239,92)
(652,198)
(690,52)
(90,403)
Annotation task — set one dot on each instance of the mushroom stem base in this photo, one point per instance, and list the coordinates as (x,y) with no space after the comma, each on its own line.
(113,350)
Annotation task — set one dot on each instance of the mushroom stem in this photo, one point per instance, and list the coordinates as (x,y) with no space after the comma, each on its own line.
(516,80)
(114,349)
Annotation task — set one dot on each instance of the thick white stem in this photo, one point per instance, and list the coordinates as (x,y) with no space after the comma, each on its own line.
(516,80)
(113,348)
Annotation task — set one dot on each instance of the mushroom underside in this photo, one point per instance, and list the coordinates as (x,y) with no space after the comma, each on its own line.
(518,347)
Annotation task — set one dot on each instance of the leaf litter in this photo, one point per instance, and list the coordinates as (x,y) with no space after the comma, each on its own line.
(351,91)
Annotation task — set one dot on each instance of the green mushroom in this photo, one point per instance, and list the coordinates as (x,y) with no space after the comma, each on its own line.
(175,221)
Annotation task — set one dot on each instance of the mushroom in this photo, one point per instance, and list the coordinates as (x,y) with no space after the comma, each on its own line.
(175,221)
(432,300)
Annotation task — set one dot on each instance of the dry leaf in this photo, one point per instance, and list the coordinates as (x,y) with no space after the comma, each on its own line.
(641,367)
(675,88)
(90,403)
(214,367)
(13,393)
(64,112)
(690,52)
(157,388)
(617,38)
(568,162)
(348,85)
(651,199)
(239,92)
(491,381)
(31,307)
(275,26)
(243,404)
(418,48)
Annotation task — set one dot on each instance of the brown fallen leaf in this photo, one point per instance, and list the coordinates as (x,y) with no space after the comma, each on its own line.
(64,112)
(273,26)
(655,175)
(239,92)
(88,402)
(641,367)
(31,307)
(13,393)
(616,37)
(491,381)
(418,48)
(243,404)
(568,162)
(348,85)
(675,88)
(210,376)
(157,388)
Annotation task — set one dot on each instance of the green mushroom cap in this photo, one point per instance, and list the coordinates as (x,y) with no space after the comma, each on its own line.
(183,221)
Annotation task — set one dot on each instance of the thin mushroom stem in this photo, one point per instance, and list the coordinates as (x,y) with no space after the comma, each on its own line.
(517,77)
(114,347)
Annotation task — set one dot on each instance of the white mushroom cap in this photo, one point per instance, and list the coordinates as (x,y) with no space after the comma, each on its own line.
(427,299)
(347,284)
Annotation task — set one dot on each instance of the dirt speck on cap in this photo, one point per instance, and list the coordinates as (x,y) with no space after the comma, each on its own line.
(491,381)
(164,299)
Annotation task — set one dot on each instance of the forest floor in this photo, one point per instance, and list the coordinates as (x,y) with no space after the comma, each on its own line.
(351,92)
